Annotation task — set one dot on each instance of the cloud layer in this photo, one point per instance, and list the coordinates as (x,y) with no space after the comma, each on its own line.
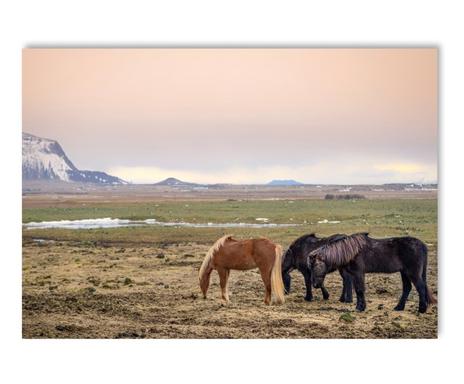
(322,173)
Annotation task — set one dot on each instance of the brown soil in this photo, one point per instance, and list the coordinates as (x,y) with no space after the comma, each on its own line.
(75,290)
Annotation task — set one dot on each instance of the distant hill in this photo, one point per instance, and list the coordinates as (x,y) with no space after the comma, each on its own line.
(173,182)
(284,182)
(44,159)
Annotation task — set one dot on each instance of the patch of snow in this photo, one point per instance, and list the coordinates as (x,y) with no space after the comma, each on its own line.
(118,223)
(80,224)
(325,221)
(43,241)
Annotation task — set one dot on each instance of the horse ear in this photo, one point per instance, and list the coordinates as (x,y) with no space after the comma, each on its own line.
(336,237)
(312,236)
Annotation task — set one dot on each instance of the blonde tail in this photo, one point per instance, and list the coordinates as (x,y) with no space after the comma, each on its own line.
(277,284)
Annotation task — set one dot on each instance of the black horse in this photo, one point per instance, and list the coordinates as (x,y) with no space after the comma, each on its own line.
(296,258)
(359,254)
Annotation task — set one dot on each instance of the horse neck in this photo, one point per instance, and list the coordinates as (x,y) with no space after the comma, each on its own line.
(288,261)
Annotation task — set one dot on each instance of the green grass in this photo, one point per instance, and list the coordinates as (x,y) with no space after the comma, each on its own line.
(392,217)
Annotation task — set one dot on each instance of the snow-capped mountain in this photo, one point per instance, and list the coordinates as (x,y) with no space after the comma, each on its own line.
(44,159)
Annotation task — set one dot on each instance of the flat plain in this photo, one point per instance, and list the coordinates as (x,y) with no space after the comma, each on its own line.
(142,282)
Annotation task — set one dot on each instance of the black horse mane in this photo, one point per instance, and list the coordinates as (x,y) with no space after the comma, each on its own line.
(341,249)
(293,247)
(301,239)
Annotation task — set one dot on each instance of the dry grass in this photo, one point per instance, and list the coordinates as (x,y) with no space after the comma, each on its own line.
(79,290)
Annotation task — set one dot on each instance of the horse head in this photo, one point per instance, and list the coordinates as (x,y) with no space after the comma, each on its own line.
(319,269)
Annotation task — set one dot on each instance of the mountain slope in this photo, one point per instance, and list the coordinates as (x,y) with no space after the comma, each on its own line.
(44,159)
(173,182)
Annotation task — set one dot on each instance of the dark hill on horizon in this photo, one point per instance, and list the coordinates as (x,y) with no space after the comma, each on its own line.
(173,182)
(284,182)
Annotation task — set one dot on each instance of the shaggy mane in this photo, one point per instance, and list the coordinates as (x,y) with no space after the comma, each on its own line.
(341,251)
(209,256)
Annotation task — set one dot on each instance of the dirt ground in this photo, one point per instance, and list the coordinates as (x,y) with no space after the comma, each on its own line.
(79,290)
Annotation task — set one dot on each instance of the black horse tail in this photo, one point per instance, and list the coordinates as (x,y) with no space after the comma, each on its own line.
(431,298)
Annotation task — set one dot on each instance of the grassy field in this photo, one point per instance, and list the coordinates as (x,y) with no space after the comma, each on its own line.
(142,281)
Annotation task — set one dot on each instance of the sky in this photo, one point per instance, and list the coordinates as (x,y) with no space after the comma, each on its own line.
(319,116)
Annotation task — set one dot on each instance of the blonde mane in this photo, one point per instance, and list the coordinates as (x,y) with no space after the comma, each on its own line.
(341,252)
(209,255)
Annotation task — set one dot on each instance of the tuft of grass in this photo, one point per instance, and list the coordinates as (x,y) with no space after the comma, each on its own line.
(89,290)
(397,324)
(347,317)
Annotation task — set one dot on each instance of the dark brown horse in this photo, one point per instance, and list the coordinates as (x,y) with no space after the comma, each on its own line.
(228,253)
(359,254)
(296,258)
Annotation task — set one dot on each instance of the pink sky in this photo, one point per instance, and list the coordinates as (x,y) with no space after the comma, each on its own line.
(239,115)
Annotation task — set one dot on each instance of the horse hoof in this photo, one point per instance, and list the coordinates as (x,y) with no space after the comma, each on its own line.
(308,298)
(398,308)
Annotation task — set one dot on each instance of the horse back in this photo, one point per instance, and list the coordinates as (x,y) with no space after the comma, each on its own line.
(235,255)
(394,254)
(246,254)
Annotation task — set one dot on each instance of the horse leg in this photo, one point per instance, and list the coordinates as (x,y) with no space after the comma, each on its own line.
(307,278)
(422,291)
(347,291)
(223,278)
(325,293)
(406,289)
(358,280)
(266,276)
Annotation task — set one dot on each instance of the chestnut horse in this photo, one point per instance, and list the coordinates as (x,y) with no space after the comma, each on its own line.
(228,253)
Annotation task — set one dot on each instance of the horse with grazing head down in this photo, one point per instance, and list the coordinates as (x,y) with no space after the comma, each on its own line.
(228,253)
(359,254)
(296,258)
